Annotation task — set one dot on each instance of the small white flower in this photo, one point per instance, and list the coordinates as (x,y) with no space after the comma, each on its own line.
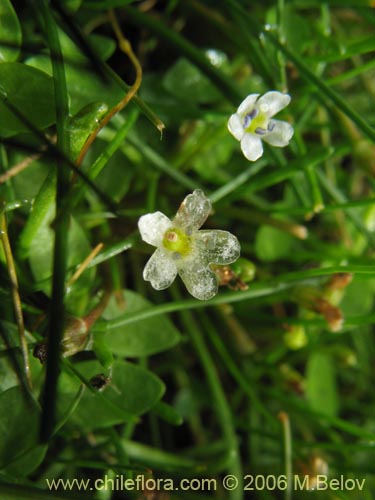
(253,123)
(183,249)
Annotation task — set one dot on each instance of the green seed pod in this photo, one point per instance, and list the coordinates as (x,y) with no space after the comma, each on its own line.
(295,338)
(75,336)
(244,269)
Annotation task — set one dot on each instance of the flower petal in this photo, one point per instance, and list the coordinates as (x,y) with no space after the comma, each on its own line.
(160,270)
(272,102)
(152,227)
(251,146)
(247,105)
(200,281)
(193,211)
(281,134)
(235,127)
(218,247)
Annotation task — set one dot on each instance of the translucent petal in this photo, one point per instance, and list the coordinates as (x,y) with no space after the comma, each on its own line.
(235,127)
(218,247)
(153,226)
(272,102)
(247,105)
(251,146)
(160,270)
(193,211)
(280,135)
(200,281)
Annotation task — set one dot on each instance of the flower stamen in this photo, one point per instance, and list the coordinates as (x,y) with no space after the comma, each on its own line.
(177,241)
(260,131)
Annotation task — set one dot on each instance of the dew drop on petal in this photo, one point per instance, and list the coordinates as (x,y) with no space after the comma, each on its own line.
(160,270)
(218,247)
(193,211)
(153,227)
(199,280)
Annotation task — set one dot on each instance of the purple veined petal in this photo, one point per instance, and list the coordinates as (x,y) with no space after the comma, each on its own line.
(251,146)
(235,127)
(247,105)
(281,134)
(160,270)
(193,211)
(199,280)
(218,247)
(153,227)
(272,102)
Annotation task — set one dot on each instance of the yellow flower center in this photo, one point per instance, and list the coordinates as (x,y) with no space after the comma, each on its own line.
(258,122)
(178,241)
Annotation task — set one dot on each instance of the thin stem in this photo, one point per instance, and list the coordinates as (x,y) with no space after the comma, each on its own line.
(284,419)
(19,167)
(60,253)
(221,406)
(127,49)
(17,305)
(229,90)
(235,371)
(283,283)
(84,264)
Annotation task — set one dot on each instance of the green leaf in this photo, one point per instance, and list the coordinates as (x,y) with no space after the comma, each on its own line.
(143,338)
(41,253)
(82,124)
(40,215)
(19,427)
(132,389)
(359,297)
(185,80)
(321,390)
(71,5)
(107,4)
(103,47)
(84,86)
(271,244)
(11,34)
(102,351)
(31,92)
(167,413)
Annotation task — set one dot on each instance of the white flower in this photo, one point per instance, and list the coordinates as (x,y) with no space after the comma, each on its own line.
(253,123)
(182,249)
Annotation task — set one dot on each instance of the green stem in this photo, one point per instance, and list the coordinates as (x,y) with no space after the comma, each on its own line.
(235,371)
(339,197)
(285,422)
(17,304)
(221,406)
(184,47)
(281,284)
(57,311)
(161,164)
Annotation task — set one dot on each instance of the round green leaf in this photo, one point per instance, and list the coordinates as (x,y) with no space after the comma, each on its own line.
(84,86)
(41,253)
(82,124)
(144,337)
(272,244)
(11,34)
(19,452)
(28,90)
(321,390)
(185,80)
(132,390)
